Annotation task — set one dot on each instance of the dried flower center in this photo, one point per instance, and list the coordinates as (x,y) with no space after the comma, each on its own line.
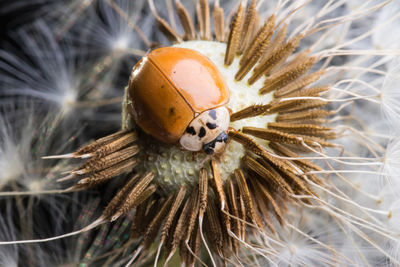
(173,166)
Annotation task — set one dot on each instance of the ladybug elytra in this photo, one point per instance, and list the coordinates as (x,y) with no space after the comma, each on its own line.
(177,95)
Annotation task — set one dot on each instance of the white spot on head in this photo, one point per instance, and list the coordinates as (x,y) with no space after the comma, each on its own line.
(205,128)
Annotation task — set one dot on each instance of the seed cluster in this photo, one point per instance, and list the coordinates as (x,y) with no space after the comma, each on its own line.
(194,203)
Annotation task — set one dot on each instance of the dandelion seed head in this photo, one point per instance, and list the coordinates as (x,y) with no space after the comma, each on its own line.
(342,219)
(174,166)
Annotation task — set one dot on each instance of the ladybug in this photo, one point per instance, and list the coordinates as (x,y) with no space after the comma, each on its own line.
(178,96)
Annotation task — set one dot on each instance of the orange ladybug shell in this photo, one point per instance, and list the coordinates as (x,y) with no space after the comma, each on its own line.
(171,86)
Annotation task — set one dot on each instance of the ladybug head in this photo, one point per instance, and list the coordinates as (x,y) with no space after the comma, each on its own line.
(207,132)
(217,145)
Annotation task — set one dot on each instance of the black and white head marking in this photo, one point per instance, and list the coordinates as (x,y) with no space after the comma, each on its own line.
(216,145)
(207,131)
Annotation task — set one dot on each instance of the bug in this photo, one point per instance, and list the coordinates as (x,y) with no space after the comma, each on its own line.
(178,96)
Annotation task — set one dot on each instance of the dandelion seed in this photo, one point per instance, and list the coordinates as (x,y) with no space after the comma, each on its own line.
(50,74)
(8,255)
(27,182)
(48,79)
(111,37)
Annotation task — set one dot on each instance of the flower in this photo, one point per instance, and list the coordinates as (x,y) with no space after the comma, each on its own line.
(306,173)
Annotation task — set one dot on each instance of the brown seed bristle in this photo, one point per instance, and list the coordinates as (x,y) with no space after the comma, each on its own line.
(119,197)
(268,173)
(218,184)
(286,75)
(283,151)
(97,164)
(251,111)
(186,22)
(194,244)
(257,26)
(155,224)
(304,116)
(249,63)
(284,106)
(285,138)
(257,149)
(203,16)
(277,57)
(311,91)
(248,26)
(248,201)
(133,197)
(219,25)
(137,227)
(303,129)
(180,196)
(145,195)
(306,104)
(262,206)
(180,228)
(99,143)
(242,216)
(115,145)
(214,229)
(234,210)
(234,35)
(222,205)
(168,32)
(203,192)
(278,39)
(103,176)
(194,211)
(268,199)
(298,184)
(264,33)
(300,83)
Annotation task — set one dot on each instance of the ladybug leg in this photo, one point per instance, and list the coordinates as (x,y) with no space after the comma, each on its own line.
(218,157)
(205,160)
(231,129)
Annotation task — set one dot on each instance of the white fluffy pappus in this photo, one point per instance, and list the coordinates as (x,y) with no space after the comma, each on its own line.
(46,73)
(61,14)
(306,239)
(8,255)
(53,76)
(391,96)
(22,144)
(109,34)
